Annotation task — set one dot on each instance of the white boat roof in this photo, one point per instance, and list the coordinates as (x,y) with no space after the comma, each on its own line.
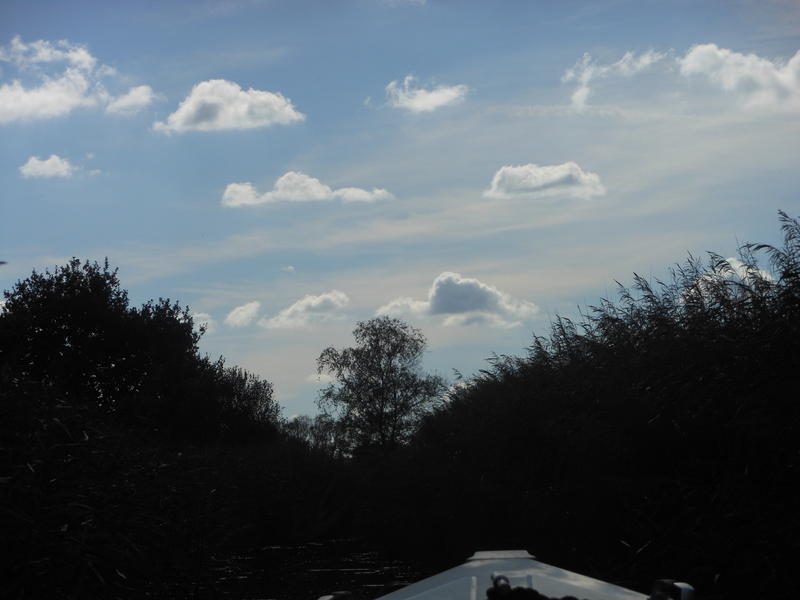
(470,580)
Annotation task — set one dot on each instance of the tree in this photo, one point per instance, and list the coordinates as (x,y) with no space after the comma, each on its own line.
(74,331)
(379,392)
(69,328)
(319,433)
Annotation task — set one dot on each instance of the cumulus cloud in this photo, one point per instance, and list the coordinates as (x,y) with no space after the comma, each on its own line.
(294,186)
(204,319)
(464,301)
(760,82)
(419,100)
(534,181)
(243,315)
(587,69)
(307,310)
(288,269)
(218,105)
(133,101)
(62,76)
(55,166)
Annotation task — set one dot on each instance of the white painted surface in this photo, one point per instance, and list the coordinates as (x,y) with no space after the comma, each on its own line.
(472,579)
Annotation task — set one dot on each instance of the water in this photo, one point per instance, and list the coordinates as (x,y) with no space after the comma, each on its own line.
(303,572)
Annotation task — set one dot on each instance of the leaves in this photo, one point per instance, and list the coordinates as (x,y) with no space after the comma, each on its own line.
(379,393)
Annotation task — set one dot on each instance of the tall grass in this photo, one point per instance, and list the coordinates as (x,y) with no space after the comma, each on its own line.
(658,434)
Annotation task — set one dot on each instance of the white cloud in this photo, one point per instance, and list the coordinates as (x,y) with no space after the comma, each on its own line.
(294,186)
(405,306)
(586,70)
(534,181)
(26,56)
(218,105)
(53,98)
(202,318)
(64,76)
(133,101)
(464,301)
(418,100)
(307,310)
(55,166)
(288,269)
(760,81)
(243,315)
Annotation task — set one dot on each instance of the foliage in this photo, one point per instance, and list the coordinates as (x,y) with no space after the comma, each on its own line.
(655,435)
(319,433)
(125,456)
(91,510)
(73,331)
(379,393)
(248,406)
(658,434)
(66,327)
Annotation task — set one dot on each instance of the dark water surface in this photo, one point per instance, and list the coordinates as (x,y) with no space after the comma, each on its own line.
(303,572)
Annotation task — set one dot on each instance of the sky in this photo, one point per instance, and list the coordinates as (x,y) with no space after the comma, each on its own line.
(288,168)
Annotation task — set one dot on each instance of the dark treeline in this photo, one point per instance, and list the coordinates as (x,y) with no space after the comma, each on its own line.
(655,436)
(128,461)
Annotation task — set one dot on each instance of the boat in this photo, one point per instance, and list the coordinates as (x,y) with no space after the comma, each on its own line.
(517,575)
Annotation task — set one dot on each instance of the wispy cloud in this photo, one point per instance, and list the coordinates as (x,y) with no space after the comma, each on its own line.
(308,309)
(418,100)
(760,82)
(34,54)
(298,187)
(243,315)
(132,102)
(534,181)
(218,104)
(54,166)
(587,69)
(757,81)
(464,301)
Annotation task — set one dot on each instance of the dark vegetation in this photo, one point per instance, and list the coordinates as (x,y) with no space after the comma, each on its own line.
(379,395)
(655,436)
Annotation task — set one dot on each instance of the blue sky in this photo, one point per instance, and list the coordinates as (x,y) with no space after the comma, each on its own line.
(289,168)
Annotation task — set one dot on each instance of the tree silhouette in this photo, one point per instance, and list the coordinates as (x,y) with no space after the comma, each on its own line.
(379,393)
(71,329)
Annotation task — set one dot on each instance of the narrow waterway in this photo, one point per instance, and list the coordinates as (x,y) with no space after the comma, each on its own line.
(304,572)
